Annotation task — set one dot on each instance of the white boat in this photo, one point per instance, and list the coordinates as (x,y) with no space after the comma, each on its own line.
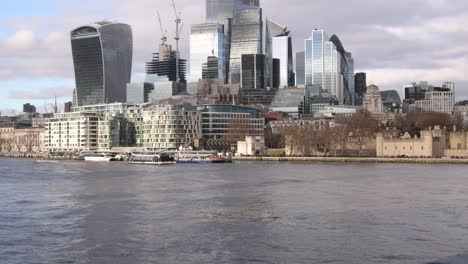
(152,159)
(100,157)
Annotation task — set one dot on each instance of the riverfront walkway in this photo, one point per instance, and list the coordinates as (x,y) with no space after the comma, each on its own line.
(355,160)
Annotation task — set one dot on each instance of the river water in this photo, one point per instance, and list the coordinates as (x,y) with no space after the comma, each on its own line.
(76,212)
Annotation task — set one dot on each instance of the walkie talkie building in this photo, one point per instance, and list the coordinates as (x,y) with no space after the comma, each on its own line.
(102,56)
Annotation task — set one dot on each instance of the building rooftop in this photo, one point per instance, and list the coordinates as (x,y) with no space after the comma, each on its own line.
(390,96)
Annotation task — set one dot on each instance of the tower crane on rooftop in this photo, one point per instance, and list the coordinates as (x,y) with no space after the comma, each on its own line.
(163,30)
(178,22)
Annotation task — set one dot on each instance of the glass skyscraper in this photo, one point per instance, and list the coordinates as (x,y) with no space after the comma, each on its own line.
(360,86)
(253,71)
(282,50)
(347,71)
(323,66)
(300,68)
(206,40)
(246,38)
(102,57)
(278,44)
(220,11)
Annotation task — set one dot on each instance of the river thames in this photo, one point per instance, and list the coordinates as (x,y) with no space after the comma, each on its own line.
(76,212)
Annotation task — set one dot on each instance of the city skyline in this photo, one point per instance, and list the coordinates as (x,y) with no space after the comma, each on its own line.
(394,43)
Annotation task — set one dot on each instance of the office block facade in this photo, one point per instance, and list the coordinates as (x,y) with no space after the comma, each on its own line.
(253,71)
(300,68)
(207,40)
(246,38)
(278,44)
(323,65)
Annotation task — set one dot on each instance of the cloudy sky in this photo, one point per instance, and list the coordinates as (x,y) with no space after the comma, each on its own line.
(395,42)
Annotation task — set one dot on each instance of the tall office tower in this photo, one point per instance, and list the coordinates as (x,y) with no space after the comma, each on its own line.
(278,44)
(246,38)
(352,88)
(275,73)
(300,68)
(282,50)
(360,86)
(206,40)
(220,11)
(323,66)
(102,56)
(164,64)
(252,71)
(347,71)
(211,68)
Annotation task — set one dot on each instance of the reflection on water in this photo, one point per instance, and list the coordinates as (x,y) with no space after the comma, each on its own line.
(72,212)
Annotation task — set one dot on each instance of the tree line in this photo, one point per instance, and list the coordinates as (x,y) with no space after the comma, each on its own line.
(354,135)
(11,142)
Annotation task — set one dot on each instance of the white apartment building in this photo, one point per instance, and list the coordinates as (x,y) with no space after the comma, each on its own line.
(72,132)
(169,127)
(103,127)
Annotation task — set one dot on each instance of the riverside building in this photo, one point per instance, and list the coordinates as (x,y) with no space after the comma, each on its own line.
(169,127)
(104,127)
(218,121)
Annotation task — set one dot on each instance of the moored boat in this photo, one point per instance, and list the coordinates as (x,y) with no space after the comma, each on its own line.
(151,159)
(200,157)
(100,157)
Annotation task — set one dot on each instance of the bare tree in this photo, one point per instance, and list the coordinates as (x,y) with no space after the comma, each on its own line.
(238,130)
(30,141)
(18,143)
(338,138)
(362,128)
(9,143)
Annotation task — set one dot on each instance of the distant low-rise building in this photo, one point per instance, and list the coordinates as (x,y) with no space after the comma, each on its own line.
(457,144)
(337,111)
(461,109)
(29,108)
(22,140)
(372,101)
(251,146)
(429,144)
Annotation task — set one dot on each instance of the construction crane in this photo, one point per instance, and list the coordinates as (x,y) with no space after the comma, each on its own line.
(178,21)
(163,30)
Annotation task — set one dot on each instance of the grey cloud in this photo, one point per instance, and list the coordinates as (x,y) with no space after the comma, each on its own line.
(367,28)
(43,94)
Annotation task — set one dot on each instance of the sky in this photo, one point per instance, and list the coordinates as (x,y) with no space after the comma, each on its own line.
(395,42)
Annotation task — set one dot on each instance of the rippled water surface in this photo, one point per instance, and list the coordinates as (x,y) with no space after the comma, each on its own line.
(74,212)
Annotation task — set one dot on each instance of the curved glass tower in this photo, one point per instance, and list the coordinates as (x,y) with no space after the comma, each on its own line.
(347,70)
(102,57)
